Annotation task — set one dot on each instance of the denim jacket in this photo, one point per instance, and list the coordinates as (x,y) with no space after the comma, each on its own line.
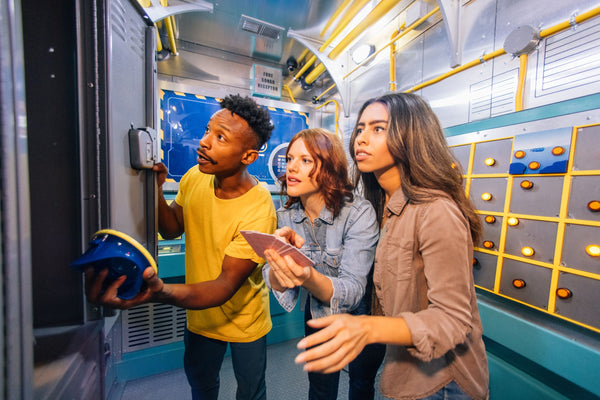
(342,248)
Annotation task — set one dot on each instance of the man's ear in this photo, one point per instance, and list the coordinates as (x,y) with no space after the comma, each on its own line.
(249,156)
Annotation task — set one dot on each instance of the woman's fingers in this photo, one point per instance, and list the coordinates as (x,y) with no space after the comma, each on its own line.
(339,340)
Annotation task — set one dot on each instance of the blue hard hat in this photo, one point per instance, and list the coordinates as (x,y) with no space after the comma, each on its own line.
(122,255)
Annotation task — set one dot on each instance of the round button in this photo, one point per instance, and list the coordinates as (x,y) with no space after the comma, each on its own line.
(527,251)
(594,205)
(519,154)
(526,185)
(519,283)
(489,161)
(593,250)
(564,293)
(512,221)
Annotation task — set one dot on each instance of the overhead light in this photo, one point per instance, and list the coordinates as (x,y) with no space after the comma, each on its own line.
(362,52)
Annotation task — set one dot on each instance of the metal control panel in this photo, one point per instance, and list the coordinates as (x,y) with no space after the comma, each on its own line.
(538,195)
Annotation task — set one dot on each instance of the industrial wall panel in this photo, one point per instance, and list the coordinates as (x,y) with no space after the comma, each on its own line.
(492,230)
(484,269)
(495,187)
(584,198)
(543,198)
(462,155)
(587,151)
(131,192)
(538,222)
(535,282)
(578,239)
(492,157)
(584,301)
(537,235)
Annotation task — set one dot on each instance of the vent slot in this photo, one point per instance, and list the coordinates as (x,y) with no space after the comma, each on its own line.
(260,28)
(150,325)
(569,59)
(494,96)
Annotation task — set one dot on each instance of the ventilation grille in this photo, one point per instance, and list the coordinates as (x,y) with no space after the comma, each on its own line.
(569,59)
(127,26)
(260,28)
(494,96)
(151,325)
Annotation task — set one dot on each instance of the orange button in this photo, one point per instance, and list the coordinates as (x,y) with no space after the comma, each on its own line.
(594,205)
(490,219)
(519,154)
(558,151)
(564,293)
(519,283)
(488,244)
(534,165)
(526,185)
(486,196)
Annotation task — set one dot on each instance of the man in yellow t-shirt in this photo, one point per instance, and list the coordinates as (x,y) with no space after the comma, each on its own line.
(224,292)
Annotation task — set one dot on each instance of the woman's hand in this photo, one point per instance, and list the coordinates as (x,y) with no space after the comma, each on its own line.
(290,236)
(340,339)
(285,270)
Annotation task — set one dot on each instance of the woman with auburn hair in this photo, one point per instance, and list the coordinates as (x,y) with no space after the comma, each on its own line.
(338,231)
(425,307)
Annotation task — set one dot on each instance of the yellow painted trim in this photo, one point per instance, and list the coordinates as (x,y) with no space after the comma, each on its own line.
(132,242)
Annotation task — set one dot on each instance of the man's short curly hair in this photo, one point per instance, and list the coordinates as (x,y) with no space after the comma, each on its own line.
(257,117)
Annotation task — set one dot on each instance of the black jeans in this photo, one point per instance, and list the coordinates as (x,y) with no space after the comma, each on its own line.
(363,369)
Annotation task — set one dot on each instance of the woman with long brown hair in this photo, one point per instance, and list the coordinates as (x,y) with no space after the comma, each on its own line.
(425,307)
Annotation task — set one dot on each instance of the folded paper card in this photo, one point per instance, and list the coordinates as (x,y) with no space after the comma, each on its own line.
(262,241)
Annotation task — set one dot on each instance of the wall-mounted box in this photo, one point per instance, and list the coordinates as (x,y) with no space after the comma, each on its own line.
(496,187)
(537,235)
(545,152)
(492,229)
(587,151)
(584,301)
(584,191)
(537,195)
(462,154)
(484,269)
(535,282)
(577,239)
(492,157)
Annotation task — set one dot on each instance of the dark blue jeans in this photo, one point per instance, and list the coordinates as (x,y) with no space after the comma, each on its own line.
(449,392)
(202,362)
(363,370)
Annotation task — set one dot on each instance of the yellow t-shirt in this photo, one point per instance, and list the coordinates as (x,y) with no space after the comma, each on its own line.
(212,230)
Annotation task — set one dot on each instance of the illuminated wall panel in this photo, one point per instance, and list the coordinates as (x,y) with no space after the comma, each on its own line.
(538,195)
